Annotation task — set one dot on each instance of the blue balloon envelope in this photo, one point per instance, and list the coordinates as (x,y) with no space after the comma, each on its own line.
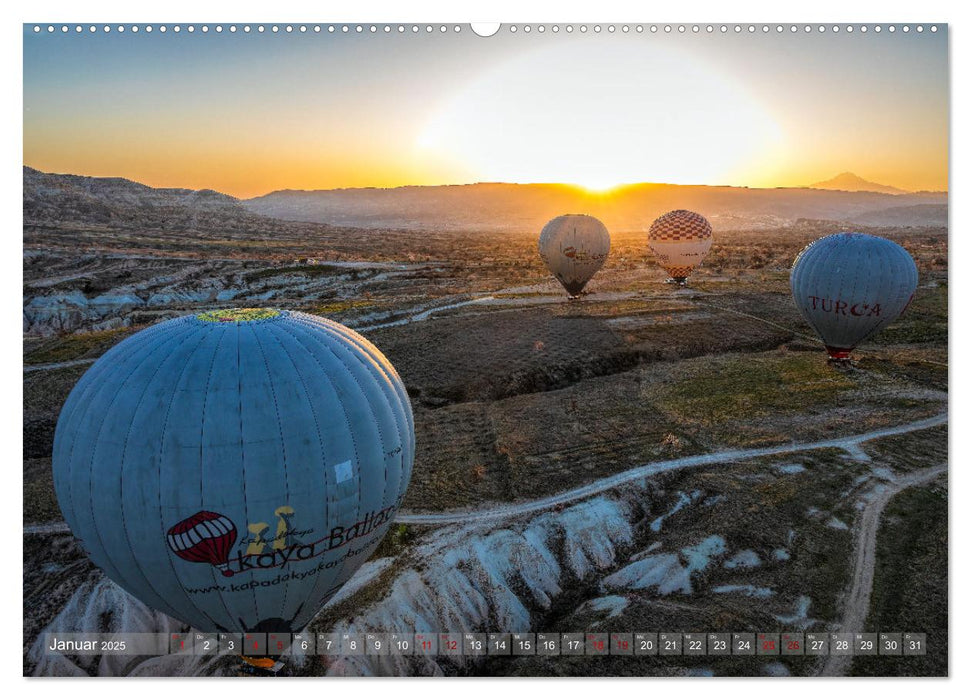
(233,469)
(850,285)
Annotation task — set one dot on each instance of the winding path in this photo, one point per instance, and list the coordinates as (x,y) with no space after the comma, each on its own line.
(424,314)
(56,528)
(414,316)
(857,605)
(850,444)
(58,365)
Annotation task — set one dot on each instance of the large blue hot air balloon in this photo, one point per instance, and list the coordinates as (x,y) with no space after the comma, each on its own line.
(234,468)
(850,285)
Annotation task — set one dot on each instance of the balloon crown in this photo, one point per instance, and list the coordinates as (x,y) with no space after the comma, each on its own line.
(237,315)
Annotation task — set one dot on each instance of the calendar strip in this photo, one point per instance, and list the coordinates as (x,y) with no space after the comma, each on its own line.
(482,644)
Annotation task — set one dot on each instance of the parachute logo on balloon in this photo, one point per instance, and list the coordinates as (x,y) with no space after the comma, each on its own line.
(206,537)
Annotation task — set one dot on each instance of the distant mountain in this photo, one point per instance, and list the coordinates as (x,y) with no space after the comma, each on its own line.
(849,182)
(66,201)
(503,206)
(120,203)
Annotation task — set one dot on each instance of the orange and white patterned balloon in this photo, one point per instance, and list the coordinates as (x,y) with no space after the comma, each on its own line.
(680,240)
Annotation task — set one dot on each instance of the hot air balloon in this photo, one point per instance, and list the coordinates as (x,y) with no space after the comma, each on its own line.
(680,240)
(850,285)
(574,247)
(232,469)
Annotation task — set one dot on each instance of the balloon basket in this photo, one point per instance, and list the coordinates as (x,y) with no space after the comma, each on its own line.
(841,363)
(260,665)
(678,281)
(839,357)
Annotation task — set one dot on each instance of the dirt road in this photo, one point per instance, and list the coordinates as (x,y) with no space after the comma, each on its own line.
(46,529)
(851,444)
(857,604)
(57,365)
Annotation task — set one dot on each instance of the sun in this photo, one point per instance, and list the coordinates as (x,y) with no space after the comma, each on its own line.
(599,186)
(568,114)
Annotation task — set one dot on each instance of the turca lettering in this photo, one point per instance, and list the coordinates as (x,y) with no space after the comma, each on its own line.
(843,308)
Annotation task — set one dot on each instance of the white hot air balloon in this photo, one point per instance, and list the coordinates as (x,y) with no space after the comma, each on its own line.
(680,240)
(232,469)
(850,285)
(574,247)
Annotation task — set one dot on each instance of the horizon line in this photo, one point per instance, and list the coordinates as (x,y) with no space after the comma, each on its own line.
(594,192)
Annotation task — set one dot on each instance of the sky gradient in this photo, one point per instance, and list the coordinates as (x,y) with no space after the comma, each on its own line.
(246,114)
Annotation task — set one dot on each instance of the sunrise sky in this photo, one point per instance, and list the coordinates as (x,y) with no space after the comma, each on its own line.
(246,114)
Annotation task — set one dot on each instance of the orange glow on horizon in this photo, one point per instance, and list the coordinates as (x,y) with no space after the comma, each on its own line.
(237,178)
(369,123)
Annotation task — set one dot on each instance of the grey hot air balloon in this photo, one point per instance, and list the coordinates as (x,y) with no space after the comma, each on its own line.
(850,285)
(574,247)
(232,469)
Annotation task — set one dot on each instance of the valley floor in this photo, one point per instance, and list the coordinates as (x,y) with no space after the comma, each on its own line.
(647,458)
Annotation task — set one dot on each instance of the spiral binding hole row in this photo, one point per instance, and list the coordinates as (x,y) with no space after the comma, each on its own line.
(443,28)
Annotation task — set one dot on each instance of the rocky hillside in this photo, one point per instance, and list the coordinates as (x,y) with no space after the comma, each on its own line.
(59,200)
(914,215)
(73,201)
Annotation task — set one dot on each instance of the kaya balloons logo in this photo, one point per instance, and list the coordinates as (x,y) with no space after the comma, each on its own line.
(580,254)
(208,538)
